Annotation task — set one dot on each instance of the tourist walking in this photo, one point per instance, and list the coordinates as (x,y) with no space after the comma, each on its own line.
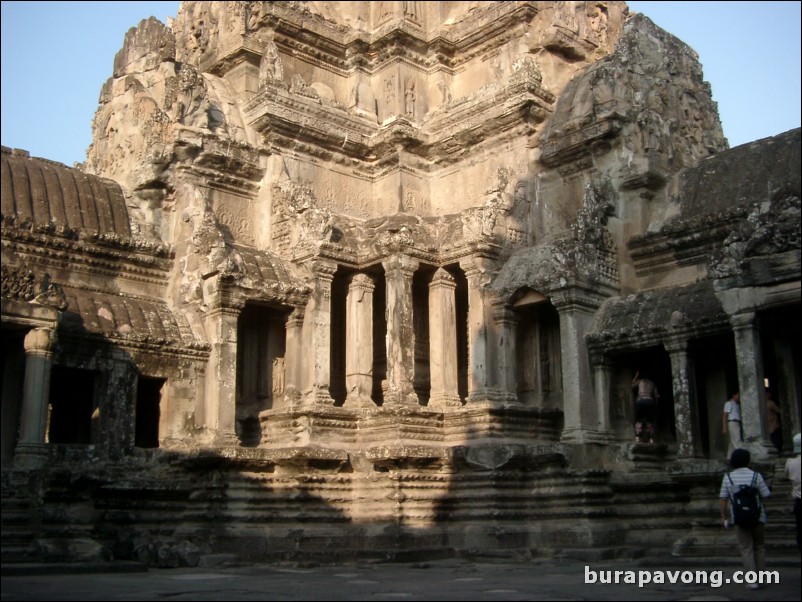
(749,531)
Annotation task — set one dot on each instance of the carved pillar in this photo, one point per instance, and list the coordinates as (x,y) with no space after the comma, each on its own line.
(221,376)
(505,320)
(684,388)
(116,427)
(359,342)
(293,364)
(602,381)
(317,335)
(582,422)
(399,270)
(443,341)
(478,364)
(749,357)
(31,451)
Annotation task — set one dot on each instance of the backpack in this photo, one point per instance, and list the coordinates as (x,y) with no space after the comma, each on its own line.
(746,504)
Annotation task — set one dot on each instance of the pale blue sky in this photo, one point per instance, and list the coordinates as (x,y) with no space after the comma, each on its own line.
(56,56)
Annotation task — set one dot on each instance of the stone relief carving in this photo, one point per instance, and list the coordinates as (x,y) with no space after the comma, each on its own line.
(299,220)
(23,284)
(193,28)
(363,101)
(389,93)
(300,87)
(409,98)
(586,254)
(765,231)
(386,11)
(233,215)
(192,99)
(270,67)
(445,90)
(411,11)
(278,378)
(526,70)
(671,119)
(518,219)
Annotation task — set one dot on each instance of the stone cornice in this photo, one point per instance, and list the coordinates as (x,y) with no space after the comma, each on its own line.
(139,343)
(339,48)
(323,130)
(147,251)
(113,258)
(640,339)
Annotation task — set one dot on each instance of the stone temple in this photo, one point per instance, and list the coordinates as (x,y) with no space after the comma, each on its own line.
(345,279)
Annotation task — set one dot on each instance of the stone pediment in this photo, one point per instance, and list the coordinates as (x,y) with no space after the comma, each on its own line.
(637,93)
(255,275)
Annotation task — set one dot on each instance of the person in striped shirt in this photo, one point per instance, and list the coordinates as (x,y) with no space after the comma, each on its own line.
(751,541)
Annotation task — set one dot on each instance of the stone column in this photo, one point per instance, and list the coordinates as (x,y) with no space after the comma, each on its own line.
(581,420)
(478,360)
(31,451)
(750,383)
(115,428)
(443,341)
(293,358)
(684,388)
(602,381)
(505,320)
(399,270)
(359,342)
(317,335)
(221,376)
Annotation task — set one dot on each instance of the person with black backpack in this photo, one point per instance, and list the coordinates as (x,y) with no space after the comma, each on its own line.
(744,491)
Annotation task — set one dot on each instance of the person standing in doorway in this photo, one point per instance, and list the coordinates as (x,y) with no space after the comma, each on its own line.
(731,422)
(646,397)
(773,413)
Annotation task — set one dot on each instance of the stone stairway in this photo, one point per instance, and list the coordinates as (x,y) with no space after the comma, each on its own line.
(707,543)
(18,523)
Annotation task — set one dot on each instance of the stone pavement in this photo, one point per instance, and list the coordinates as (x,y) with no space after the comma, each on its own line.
(454,579)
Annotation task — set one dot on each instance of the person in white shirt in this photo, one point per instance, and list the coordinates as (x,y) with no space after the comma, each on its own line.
(793,473)
(751,540)
(731,422)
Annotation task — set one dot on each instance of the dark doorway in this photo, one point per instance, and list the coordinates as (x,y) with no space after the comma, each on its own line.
(12,374)
(148,400)
(72,405)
